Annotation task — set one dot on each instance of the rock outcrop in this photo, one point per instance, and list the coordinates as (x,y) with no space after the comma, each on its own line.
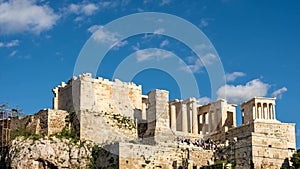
(48,152)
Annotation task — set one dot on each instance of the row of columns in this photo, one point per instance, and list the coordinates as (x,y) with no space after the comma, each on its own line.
(189,114)
(205,119)
(264,111)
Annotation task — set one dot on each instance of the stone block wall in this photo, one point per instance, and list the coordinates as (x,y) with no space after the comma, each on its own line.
(158,118)
(45,122)
(108,111)
(273,144)
(260,144)
(87,93)
(67,96)
(102,127)
(216,116)
(129,155)
(56,120)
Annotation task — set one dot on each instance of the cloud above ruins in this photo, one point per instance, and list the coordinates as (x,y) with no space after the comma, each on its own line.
(278,93)
(203,100)
(196,64)
(230,77)
(102,35)
(9,44)
(20,16)
(240,93)
(143,55)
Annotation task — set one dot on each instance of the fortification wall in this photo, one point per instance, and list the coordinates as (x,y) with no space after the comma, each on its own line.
(273,144)
(117,97)
(158,118)
(56,120)
(103,127)
(285,132)
(67,96)
(148,156)
(45,122)
(87,93)
(260,144)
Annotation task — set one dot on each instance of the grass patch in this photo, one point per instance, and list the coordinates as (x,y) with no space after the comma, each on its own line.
(67,134)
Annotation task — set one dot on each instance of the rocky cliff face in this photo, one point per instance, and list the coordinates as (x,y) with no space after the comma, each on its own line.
(48,152)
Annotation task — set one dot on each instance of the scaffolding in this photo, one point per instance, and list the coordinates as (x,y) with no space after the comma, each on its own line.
(5,125)
(6,115)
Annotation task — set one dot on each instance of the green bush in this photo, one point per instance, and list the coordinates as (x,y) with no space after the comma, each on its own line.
(25,133)
(296,159)
(95,152)
(65,133)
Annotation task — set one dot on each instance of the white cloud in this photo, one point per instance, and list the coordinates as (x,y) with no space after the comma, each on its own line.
(10,44)
(278,93)
(193,68)
(203,100)
(164,43)
(17,16)
(13,53)
(201,47)
(208,59)
(89,9)
(240,93)
(143,55)
(94,28)
(120,44)
(198,64)
(136,47)
(203,22)
(165,2)
(79,18)
(101,35)
(85,9)
(159,31)
(230,77)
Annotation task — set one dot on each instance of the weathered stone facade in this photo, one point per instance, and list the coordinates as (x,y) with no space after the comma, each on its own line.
(216,116)
(48,153)
(261,141)
(46,122)
(140,131)
(100,95)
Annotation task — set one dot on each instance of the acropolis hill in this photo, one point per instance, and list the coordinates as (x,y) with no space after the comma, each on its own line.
(133,130)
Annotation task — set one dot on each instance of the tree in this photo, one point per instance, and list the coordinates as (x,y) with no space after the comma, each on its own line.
(296,159)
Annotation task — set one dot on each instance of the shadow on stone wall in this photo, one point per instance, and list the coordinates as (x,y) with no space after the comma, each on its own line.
(105,157)
(142,125)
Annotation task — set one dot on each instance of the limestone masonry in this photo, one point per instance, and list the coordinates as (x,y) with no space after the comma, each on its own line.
(151,131)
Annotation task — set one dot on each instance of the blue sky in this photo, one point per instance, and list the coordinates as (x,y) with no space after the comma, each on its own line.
(257,42)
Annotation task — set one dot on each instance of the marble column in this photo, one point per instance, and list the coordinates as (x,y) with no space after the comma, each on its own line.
(195,120)
(274,113)
(265,111)
(190,118)
(173,117)
(271,111)
(254,112)
(184,118)
(259,110)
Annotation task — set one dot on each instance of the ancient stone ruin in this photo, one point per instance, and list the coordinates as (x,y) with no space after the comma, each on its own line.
(150,131)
